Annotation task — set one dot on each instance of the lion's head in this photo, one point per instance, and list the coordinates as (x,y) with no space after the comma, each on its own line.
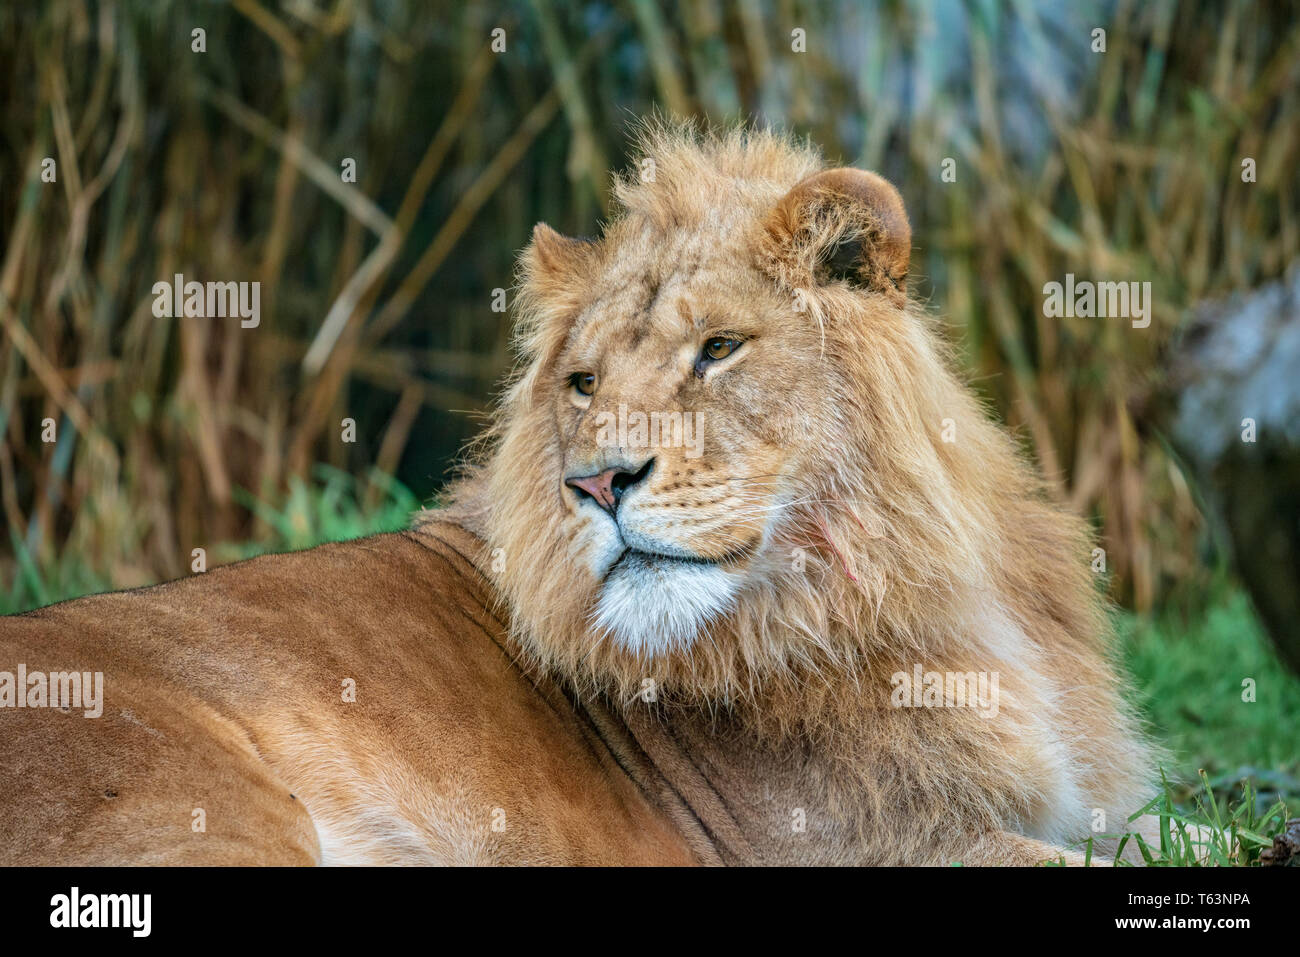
(734,452)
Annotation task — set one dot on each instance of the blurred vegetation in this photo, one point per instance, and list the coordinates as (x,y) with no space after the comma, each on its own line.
(377,296)
(329,506)
(1189,672)
(1209,829)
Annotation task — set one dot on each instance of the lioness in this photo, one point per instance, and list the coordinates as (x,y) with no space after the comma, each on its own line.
(699,597)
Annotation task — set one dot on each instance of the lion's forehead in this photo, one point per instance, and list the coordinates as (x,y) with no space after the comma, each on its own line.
(669,297)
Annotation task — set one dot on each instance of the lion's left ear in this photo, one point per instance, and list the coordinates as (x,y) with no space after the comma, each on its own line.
(557,274)
(558,265)
(841,224)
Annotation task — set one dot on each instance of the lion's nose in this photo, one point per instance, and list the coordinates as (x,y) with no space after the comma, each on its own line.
(607,488)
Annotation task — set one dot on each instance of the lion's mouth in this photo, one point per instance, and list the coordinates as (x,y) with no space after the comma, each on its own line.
(639,559)
(635,559)
(656,557)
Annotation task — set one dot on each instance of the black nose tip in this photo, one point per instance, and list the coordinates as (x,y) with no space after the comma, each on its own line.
(622,480)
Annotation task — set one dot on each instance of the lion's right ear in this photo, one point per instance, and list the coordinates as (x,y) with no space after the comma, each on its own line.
(841,225)
(558,267)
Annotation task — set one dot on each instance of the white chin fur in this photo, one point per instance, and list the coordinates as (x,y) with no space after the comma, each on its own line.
(651,605)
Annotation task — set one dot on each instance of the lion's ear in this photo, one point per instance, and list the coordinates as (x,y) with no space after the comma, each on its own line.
(841,224)
(558,273)
(556,264)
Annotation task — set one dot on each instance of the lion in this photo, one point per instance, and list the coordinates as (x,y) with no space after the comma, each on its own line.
(741,572)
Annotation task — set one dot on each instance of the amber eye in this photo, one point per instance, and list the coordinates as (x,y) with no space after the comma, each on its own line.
(584,382)
(720,347)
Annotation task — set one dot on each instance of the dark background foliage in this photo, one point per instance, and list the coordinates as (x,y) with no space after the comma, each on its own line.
(226,165)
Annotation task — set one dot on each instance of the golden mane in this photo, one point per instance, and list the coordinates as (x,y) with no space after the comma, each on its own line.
(904,547)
